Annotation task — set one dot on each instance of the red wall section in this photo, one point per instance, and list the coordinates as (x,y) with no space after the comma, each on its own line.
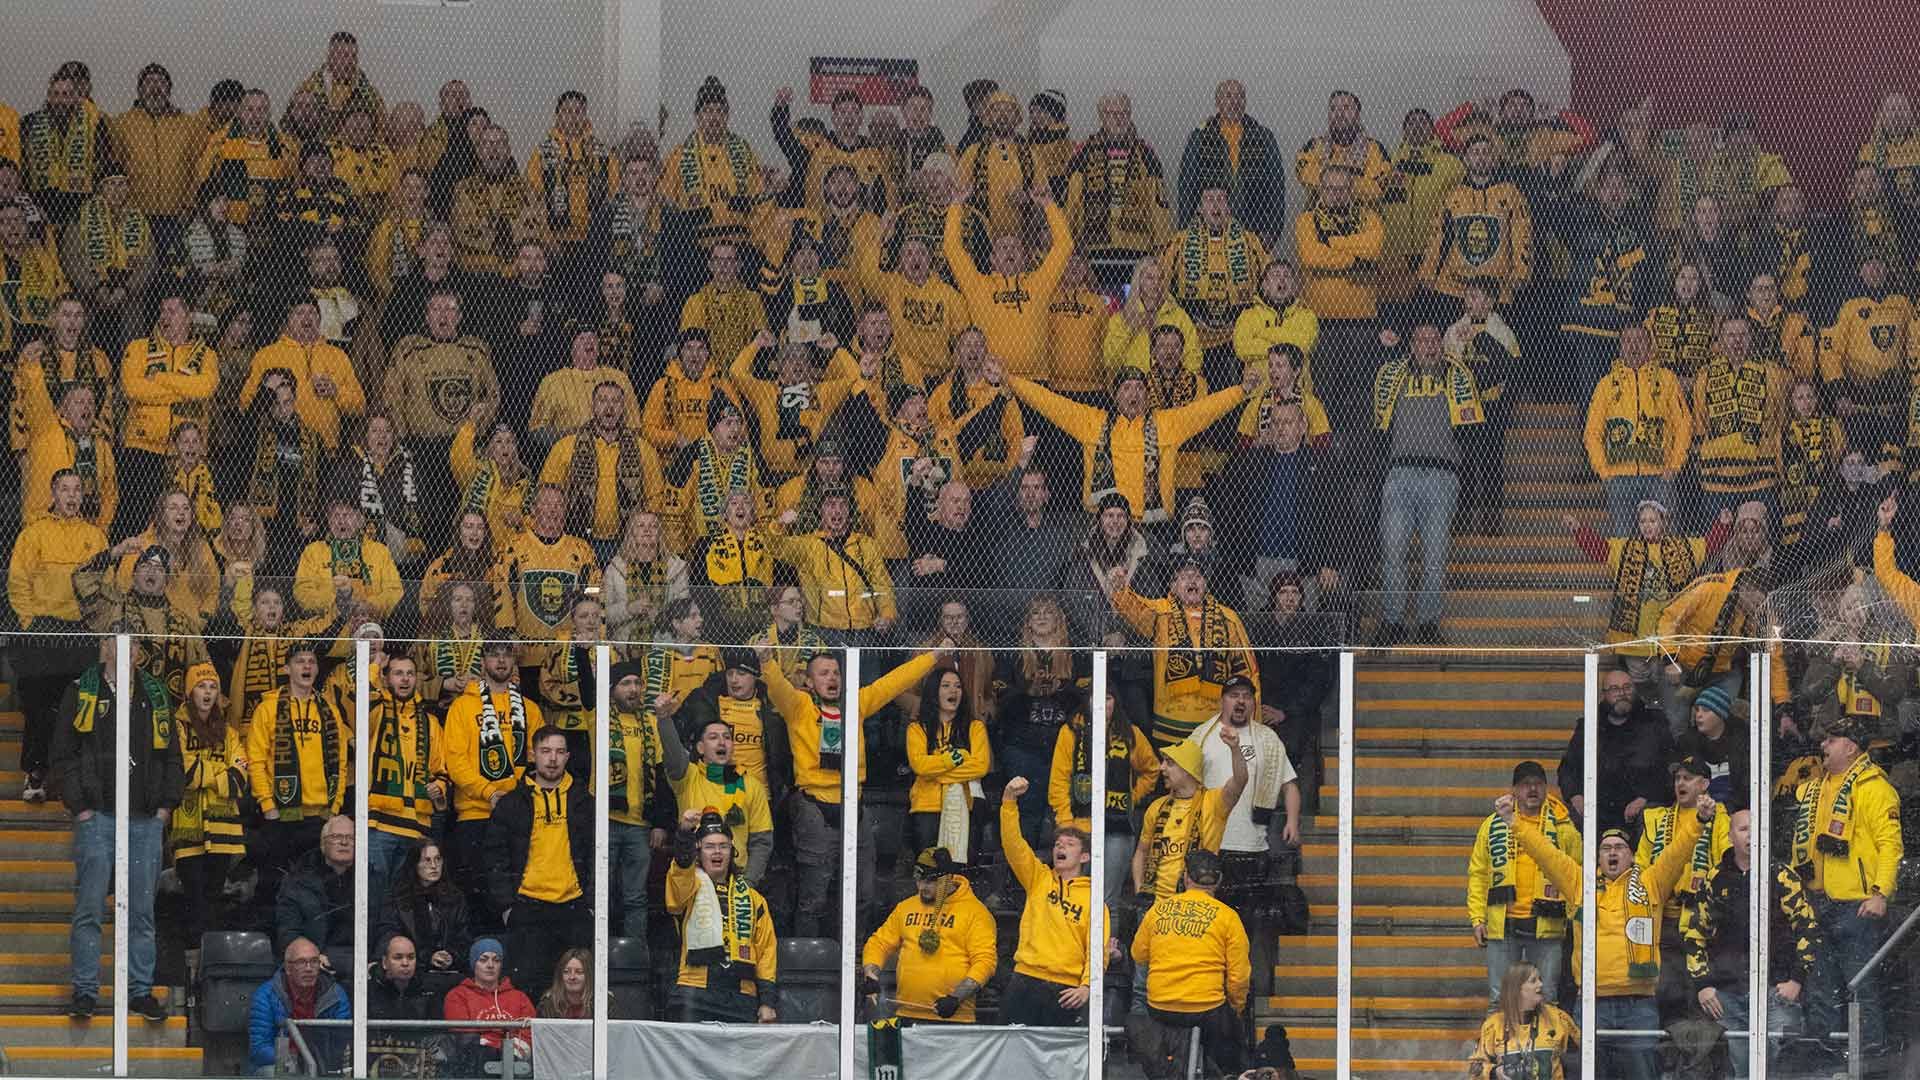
(1811,72)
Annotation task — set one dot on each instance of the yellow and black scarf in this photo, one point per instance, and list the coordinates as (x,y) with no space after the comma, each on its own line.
(693,177)
(1119,798)
(61,158)
(1462,397)
(1700,866)
(1682,337)
(497,761)
(583,477)
(625,724)
(1836,839)
(263,486)
(1109,169)
(717,935)
(710,489)
(1637,576)
(456,656)
(1216,269)
(1736,400)
(392,776)
(113,246)
(286,752)
(1214,658)
(1501,849)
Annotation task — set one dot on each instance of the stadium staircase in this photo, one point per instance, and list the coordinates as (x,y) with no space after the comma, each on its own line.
(1436,739)
(36,899)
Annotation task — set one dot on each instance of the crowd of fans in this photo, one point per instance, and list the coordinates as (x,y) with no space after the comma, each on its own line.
(280,386)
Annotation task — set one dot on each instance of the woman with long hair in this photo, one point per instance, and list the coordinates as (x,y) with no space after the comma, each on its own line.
(1683,323)
(470,557)
(1525,1038)
(495,482)
(194,575)
(431,911)
(641,578)
(455,626)
(1038,688)
(948,751)
(570,995)
(205,834)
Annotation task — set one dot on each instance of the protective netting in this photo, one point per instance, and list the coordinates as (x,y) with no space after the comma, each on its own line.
(733,340)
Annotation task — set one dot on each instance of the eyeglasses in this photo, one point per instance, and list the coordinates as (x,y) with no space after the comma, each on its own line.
(346,839)
(305,962)
(1615,691)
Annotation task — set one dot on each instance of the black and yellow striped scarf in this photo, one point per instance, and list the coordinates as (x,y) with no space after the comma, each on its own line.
(1700,866)
(456,657)
(583,477)
(286,752)
(1198,277)
(113,246)
(1102,477)
(61,159)
(1636,572)
(711,490)
(693,177)
(626,725)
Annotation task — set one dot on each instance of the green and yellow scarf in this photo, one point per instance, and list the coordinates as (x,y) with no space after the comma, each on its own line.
(87,704)
(1837,838)
(1502,847)
(497,761)
(286,752)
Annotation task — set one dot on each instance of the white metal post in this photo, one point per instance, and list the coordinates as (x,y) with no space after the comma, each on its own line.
(1096,889)
(122,853)
(602,838)
(850,759)
(1343,962)
(1589,862)
(1760,878)
(362,777)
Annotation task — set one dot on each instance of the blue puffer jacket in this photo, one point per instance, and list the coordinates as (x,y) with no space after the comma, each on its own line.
(272,1003)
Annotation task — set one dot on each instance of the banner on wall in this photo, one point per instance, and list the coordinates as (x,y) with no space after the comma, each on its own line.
(564,1051)
(876,81)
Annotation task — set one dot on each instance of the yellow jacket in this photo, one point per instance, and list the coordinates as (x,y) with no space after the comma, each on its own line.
(967,949)
(1261,327)
(1874,846)
(472,792)
(505,504)
(541,578)
(677,405)
(846,585)
(1141,759)
(1526,879)
(1410,211)
(608,518)
(165,385)
(1868,340)
(305,362)
(1127,441)
(1364,157)
(40,571)
(1055,921)
(307,720)
(1077,331)
(1696,612)
(1195,951)
(376,582)
(802,714)
(1637,423)
(991,459)
(589,172)
(1555,1035)
(1186,692)
(1611,921)
(250,171)
(489,218)
(926,318)
(161,152)
(683,884)
(1904,591)
(1126,347)
(53,449)
(1481,232)
(1012,311)
(1338,262)
(1785,338)
(936,766)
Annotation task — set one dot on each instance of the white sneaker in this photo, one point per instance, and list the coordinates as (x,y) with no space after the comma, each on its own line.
(35,790)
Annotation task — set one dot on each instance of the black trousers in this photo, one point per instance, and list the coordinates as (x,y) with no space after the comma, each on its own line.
(537,933)
(280,843)
(1220,1038)
(467,863)
(1037,1003)
(1245,889)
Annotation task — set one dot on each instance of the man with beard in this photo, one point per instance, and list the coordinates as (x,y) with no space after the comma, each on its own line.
(1529,150)
(490,208)
(1277,317)
(1788,246)
(1484,231)
(1739,403)
(1211,268)
(607,470)
(848,590)
(249,160)
(1200,647)
(917,138)
(726,311)
(339,308)
(810,158)
(327,391)
(1009,302)
(1000,176)
(432,383)
(545,564)
(1116,193)
(340,86)
(159,145)
(62,147)
(540,862)
(1234,151)
(1634,749)
(945,940)
(1346,145)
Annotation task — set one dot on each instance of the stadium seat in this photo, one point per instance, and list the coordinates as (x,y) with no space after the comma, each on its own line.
(809,980)
(233,964)
(629,979)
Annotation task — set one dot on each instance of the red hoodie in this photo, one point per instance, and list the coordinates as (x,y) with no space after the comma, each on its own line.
(469,1002)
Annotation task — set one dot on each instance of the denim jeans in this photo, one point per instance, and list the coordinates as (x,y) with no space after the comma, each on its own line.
(93,872)
(1415,499)
(1847,943)
(1734,1016)
(630,858)
(1543,953)
(1620,1057)
(1624,496)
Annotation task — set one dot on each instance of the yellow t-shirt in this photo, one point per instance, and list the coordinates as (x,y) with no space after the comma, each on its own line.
(749,735)
(1173,828)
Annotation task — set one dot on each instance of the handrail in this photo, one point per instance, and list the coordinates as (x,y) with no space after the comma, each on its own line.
(1893,941)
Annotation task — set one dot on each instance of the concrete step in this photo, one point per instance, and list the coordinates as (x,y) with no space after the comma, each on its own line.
(1564,573)
(1539,744)
(1554,493)
(98,1060)
(1523,547)
(51,966)
(1388,888)
(1388,974)
(1394,1051)
(1309,1009)
(1374,682)
(1462,714)
(51,873)
(59,1031)
(38,902)
(44,997)
(1452,770)
(1460,800)
(1373,857)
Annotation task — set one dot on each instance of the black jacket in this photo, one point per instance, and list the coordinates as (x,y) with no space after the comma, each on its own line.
(1718,935)
(386,1001)
(1257,192)
(1728,757)
(315,903)
(82,771)
(510,833)
(703,706)
(433,920)
(1633,764)
(1240,512)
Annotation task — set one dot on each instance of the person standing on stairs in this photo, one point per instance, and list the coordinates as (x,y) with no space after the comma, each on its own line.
(1517,912)
(1626,925)
(1264,826)
(83,779)
(1197,950)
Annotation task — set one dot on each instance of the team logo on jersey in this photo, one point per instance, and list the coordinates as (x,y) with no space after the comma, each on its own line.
(1883,336)
(1479,238)
(546,593)
(452,396)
